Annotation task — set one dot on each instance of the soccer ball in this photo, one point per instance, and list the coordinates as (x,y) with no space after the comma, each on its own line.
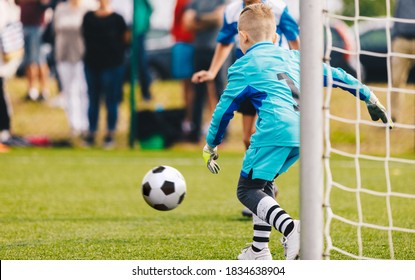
(163,188)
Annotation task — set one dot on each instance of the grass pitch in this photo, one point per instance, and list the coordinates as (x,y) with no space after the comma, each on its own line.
(81,204)
(65,204)
(86,204)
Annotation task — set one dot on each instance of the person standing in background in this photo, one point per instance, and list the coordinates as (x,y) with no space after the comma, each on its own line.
(48,38)
(204,18)
(125,9)
(403,42)
(182,61)
(105,35)
(9,61)
(37,70)
(69,52)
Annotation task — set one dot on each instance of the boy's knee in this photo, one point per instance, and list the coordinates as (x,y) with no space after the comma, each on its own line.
(241,191)
(249,191)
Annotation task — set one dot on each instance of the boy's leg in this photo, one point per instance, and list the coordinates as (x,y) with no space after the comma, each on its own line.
(258,250)
(266,208)
(251,193)
(258,194)
(262,230)
(248,127)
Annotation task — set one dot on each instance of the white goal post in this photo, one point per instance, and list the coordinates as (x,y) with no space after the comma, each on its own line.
(311,164)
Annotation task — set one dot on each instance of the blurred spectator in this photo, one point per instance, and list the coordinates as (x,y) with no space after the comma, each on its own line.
(403,42)
(204,18)
(11,54)
(33,19)
(142,11)
(69,51)
(105,35)
(182,61)
(142,14)
(125,9)
(5,134)
(48,38)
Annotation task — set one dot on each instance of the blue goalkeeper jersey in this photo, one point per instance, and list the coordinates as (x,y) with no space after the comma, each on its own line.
(286,24)
(269,76)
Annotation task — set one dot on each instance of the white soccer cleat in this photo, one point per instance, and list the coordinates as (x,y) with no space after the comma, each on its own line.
(291,243)
(248,254)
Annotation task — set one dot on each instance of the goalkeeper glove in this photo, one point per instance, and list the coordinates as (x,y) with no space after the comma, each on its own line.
(210,155)
(377,111)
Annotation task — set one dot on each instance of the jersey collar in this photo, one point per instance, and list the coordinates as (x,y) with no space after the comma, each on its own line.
(259,44)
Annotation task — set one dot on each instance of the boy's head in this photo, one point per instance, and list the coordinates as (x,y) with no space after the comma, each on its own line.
(256,24)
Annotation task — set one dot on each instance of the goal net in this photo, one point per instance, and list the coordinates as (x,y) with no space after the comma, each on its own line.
(369,197)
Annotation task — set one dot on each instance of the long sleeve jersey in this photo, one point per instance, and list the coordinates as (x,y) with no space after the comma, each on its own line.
(269,76)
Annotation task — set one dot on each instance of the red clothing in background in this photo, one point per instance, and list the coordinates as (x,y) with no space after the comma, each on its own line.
(32,14)
(179,33)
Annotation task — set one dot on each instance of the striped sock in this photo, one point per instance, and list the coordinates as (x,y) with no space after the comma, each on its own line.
(270,211)
(262,232)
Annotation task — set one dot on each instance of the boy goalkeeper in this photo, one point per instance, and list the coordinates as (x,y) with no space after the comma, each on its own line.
(269,77)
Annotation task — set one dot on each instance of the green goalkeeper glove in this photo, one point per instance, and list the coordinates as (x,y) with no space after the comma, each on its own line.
(210,155)
(377,111)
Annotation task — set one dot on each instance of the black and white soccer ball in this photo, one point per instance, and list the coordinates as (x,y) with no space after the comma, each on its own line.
(163,188)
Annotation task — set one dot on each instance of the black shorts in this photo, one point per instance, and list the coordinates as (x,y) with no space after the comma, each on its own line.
(247,108)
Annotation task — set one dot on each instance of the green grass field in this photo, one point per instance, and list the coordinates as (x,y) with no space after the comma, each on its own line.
(86,203)
(64,204)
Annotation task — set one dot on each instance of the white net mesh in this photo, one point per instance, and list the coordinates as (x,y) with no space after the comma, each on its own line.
(370,170)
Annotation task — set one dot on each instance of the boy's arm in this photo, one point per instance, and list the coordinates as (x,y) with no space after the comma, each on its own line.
(290,29)
(348,83)
(294,44)
(224,112)
(221,117)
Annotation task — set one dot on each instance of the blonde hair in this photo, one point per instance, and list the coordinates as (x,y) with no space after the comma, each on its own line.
(258,21)
(250,2)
